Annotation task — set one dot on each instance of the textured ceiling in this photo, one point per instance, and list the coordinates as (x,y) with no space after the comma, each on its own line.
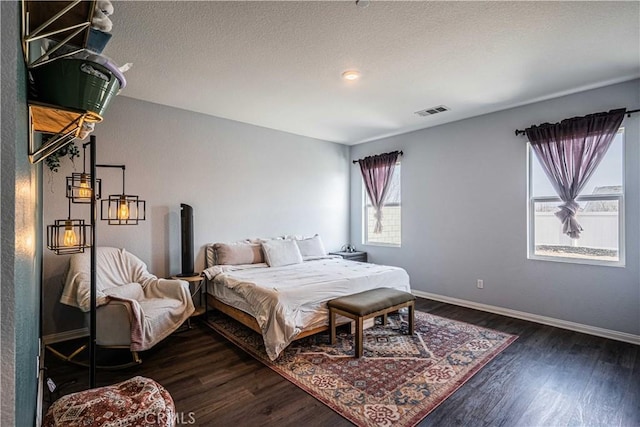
(278,64)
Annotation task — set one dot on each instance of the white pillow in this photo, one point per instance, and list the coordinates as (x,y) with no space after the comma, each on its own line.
(311,247)
(281,252)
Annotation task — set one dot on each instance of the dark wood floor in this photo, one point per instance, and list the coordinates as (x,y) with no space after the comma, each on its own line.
(548,377)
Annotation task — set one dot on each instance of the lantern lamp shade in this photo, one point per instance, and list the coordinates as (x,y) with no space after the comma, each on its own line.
(68,236)
(123,209)
(79,187)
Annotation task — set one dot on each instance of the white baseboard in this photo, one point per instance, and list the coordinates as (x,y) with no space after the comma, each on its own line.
(558,323)
(65,336)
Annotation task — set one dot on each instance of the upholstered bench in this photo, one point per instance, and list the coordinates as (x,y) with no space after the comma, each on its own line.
(138,401)
(368,304)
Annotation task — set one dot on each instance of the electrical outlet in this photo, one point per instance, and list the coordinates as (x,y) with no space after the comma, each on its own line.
(51,385)
(480,284)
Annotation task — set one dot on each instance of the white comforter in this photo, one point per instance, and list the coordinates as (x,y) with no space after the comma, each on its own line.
(287,300)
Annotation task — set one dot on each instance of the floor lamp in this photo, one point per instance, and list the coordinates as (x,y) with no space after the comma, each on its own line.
(70,235)
(93,291)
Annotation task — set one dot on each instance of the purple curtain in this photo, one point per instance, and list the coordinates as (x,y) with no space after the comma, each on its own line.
(376,173)
(569,152)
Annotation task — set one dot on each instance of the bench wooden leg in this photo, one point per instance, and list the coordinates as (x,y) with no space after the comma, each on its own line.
(359,332)
(411,318)
(332,326)
(384,319)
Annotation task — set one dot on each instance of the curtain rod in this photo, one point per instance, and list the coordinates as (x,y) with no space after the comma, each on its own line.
(400,153)
(628,113)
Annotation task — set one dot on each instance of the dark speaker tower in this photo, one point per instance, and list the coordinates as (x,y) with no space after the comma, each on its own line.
(186,229)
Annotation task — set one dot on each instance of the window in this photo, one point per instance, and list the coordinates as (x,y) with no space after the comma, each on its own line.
(391,223)
(601,213)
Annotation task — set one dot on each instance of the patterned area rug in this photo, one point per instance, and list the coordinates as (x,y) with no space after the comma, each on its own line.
(400,379)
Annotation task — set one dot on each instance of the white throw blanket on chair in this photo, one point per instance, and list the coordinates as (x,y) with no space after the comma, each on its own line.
(157,306)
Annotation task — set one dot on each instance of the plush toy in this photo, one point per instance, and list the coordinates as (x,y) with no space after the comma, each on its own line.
(101,14)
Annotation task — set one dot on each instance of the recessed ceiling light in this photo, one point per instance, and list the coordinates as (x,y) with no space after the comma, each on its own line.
(351,75)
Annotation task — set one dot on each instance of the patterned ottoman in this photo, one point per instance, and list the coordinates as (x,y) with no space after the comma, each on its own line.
(139,401)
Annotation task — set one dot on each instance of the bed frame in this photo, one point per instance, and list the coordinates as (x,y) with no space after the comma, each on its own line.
(243,317)
(250,322)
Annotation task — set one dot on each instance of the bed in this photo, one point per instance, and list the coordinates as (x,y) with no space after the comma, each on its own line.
(287,301)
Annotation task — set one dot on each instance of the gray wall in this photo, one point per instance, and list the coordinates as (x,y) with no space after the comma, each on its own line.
(478,165)
(20,252)
(243,181)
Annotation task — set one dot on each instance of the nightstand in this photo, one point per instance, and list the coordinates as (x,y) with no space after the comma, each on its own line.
(352,256)
(196,283)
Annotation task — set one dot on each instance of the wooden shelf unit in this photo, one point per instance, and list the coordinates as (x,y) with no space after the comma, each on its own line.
(61,22)
(63,124)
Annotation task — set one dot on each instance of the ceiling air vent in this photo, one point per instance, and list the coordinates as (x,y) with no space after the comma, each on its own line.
(433,110)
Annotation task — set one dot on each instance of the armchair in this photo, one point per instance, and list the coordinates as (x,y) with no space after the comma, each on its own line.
(135,309)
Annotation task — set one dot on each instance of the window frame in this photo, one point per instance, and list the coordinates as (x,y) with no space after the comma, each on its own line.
(365,223)
(531,202)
